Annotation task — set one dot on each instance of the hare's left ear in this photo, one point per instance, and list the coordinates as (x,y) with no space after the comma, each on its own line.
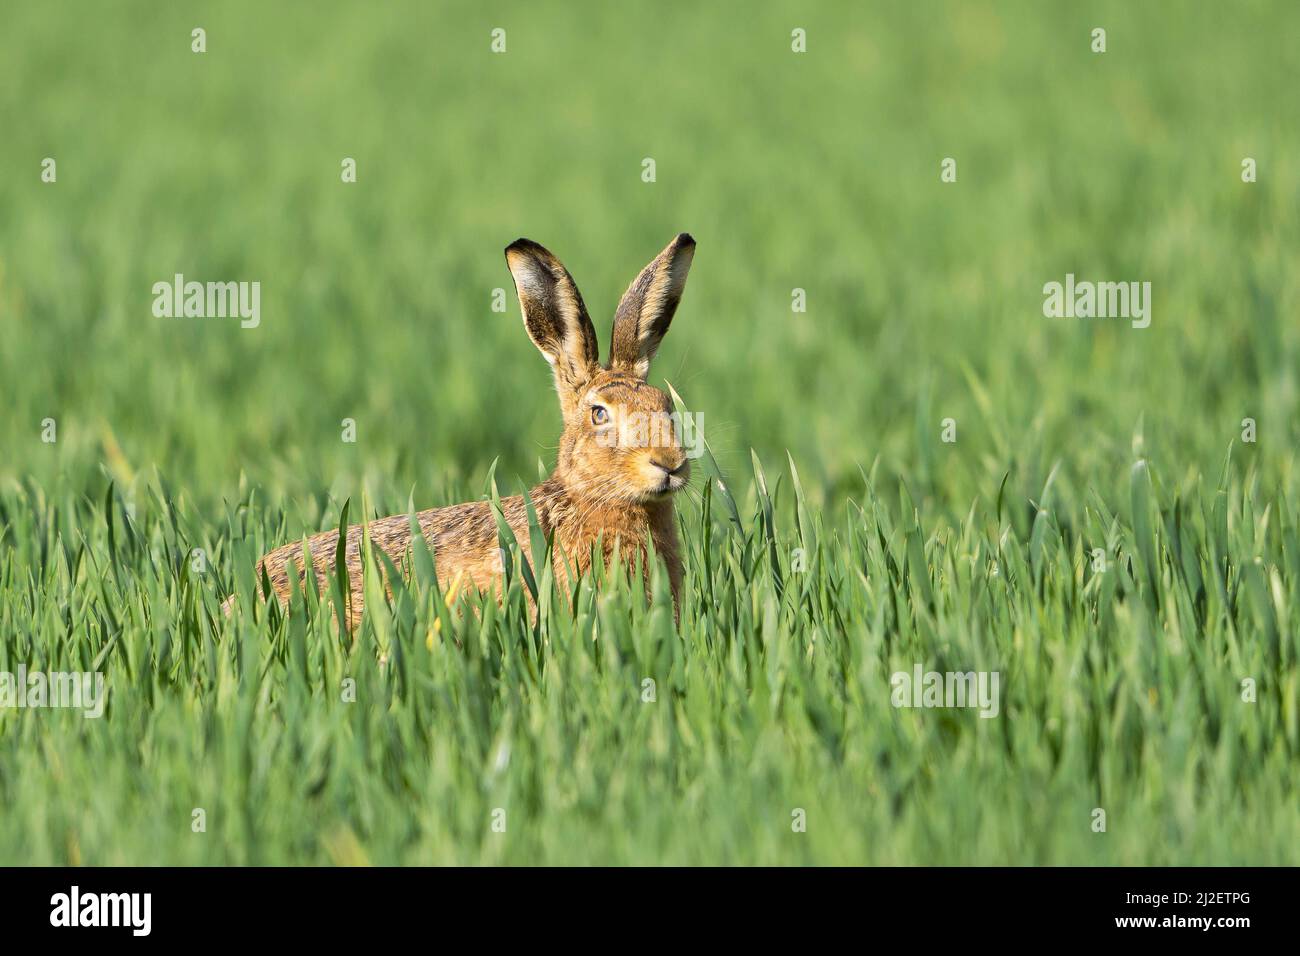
(555,317)
(647,308)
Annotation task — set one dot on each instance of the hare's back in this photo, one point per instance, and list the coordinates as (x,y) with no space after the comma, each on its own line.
(465,540)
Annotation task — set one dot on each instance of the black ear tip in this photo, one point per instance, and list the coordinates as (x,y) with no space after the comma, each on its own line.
(683,239)
(521,245)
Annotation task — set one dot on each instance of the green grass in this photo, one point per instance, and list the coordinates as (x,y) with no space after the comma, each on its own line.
(1120,688)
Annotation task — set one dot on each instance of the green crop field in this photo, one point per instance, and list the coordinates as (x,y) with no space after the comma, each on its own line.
(911,469)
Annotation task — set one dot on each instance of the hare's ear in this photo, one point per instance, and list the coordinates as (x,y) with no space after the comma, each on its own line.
(648,306)
(554,316)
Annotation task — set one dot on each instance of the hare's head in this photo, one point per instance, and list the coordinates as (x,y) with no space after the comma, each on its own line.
(621,441)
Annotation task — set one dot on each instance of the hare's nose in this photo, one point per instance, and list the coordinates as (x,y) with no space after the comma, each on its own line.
(673,466)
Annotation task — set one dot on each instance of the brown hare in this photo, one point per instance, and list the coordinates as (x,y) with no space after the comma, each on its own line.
(620,455)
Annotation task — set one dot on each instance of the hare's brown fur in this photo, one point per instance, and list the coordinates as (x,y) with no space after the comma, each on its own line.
(607,488)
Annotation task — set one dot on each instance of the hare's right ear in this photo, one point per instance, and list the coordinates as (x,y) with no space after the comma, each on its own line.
(554,316)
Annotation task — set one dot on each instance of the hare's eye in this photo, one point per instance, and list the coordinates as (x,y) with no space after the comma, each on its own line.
(599,414)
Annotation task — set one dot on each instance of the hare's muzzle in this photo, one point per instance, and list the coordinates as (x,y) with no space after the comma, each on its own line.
(672,469)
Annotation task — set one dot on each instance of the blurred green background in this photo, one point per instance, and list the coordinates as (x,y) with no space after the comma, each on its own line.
(818,171)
